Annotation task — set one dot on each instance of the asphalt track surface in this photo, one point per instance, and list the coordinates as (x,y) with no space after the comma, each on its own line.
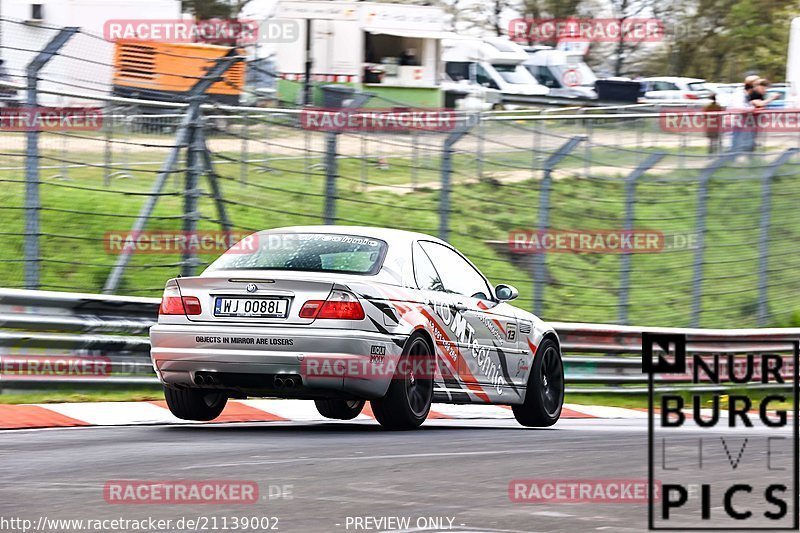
(454,469)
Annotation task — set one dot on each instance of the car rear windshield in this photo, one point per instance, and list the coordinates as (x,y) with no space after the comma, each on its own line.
(315,252)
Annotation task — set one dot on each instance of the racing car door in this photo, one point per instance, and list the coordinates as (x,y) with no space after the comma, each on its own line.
(481,332)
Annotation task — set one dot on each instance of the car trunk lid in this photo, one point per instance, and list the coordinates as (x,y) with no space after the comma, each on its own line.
(223,299)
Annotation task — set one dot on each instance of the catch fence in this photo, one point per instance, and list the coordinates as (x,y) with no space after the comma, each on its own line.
(724,224)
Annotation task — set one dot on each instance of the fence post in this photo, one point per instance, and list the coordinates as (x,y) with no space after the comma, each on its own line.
(481,133)
(331,165)
(446,170)
(183,138)
(414,159)
(700,229)
(539,264)
(32,201)
(630,198)
(587,149)
(108,129)
(762,312)
(191,191)
(331,171)
(244,163)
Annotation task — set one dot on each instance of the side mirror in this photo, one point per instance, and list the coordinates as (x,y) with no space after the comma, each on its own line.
(505,292)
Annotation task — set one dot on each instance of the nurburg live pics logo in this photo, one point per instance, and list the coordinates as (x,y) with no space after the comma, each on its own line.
(720,467)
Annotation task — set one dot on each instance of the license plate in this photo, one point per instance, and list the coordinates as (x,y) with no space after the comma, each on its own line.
(251,307)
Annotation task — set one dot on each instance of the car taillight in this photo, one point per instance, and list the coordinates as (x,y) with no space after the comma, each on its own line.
(692,96)
(310,308)
(340,305)
(192,305)
(173,304)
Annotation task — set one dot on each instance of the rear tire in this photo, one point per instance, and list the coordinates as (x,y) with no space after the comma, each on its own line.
(195,404)
(409,397)
(340,409)
(545,392)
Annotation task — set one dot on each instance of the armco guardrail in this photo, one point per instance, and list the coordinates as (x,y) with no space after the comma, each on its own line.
(111,330)
(598,357)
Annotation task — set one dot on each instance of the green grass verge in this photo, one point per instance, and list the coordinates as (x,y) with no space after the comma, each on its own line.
(128,395)
(79,212)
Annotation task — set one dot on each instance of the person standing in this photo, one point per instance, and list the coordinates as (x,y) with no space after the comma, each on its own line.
(739,106)
(757,99)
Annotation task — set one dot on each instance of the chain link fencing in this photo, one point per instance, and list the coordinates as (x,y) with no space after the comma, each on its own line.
(719,228)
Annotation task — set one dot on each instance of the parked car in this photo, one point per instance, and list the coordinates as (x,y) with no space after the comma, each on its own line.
(724,92)
(674,88)
(398,318)
(782,93)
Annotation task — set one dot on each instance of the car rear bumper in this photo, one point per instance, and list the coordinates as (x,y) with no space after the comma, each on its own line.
(321,362)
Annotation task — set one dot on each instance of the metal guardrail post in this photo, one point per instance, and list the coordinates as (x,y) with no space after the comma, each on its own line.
(630,198)
(762,313)
(32,201)
(183,139)
(446,171)
(540,265)
(700,230)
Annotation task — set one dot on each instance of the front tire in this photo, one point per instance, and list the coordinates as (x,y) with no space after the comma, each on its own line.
(544,396)
(409,397)
(195,404)
(339,409)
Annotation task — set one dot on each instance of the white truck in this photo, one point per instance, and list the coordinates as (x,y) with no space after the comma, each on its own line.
(389,50)
(496,63)
(564,73)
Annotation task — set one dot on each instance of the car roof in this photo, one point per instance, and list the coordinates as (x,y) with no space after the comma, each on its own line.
(675,79)
(389,235)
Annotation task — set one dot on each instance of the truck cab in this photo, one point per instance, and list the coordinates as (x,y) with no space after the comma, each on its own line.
(493,63)
(564,73)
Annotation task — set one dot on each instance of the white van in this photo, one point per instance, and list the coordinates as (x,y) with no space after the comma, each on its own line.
(564,73)
(495,63)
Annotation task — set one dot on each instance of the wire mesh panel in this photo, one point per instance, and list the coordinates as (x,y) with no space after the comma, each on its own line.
(724,227)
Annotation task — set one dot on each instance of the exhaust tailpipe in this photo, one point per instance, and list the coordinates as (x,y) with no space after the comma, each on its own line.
(289,383)
(279,383)
(204,378)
